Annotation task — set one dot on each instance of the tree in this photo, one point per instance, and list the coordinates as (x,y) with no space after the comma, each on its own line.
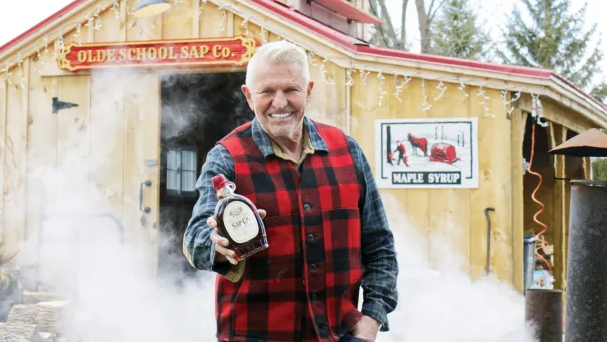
(456,33)
(386,35)
(600,92)
(425,17)
(554,39)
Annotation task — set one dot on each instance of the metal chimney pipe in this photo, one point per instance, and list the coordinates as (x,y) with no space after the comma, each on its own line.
(586,311)
(544,313)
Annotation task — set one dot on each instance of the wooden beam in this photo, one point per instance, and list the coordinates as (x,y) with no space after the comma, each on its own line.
(557,114)
(519,120)
(558,135)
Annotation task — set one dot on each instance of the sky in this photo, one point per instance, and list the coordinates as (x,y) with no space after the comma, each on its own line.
(494,13)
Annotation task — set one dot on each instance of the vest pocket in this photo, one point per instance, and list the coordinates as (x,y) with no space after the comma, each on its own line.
(268,306)
(344,267)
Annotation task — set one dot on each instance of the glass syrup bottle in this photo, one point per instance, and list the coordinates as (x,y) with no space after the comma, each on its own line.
(238,220)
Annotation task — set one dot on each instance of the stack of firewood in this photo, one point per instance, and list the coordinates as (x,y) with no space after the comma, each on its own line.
(41,322)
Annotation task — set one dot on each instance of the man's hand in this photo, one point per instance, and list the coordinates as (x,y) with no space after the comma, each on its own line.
(366,328)
(222,254)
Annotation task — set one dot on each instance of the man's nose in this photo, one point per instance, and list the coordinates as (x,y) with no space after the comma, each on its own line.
(280,100)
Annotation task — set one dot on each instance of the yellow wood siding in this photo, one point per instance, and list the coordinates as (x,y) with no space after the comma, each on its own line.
(119,130)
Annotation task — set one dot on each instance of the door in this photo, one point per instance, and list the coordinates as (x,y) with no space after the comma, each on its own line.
(142,165)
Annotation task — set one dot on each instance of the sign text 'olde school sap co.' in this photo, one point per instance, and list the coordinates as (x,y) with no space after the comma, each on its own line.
(205,52)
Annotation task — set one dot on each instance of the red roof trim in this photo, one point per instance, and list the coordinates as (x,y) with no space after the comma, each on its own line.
(349,11)
(56,15)
(573,85)
(351,44)
(508,69)
(360,46)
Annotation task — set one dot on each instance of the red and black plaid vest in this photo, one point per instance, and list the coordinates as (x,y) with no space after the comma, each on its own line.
(304,287)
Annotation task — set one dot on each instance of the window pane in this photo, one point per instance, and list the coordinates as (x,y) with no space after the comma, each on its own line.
(188,170)
(173,176)
(188,180)
(188,160)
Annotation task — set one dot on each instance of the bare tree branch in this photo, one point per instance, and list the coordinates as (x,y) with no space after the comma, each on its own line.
(403,26)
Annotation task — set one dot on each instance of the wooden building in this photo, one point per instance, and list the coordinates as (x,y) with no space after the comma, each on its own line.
(103,112)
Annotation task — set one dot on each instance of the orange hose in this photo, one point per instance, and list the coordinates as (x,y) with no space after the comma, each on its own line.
(537,236)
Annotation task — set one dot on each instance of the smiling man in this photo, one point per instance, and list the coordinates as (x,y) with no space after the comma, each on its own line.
(327,230)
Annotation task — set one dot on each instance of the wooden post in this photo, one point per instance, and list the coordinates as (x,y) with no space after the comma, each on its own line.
(558,134)
(519,120)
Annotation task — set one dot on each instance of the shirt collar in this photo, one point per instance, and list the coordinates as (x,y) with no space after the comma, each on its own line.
(264,143)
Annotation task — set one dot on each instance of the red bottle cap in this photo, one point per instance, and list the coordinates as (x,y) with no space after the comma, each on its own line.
(220,181)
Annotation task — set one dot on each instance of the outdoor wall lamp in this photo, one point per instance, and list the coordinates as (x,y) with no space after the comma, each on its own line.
(147,8)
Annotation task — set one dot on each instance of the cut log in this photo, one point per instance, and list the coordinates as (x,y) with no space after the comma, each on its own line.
(27,331)
(23,314)
(52,317)
(8,337)
(46,337)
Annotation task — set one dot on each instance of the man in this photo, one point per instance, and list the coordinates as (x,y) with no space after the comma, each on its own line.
(326,227)
(402,152)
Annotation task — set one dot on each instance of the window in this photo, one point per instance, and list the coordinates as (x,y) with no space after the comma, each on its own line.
(181,171)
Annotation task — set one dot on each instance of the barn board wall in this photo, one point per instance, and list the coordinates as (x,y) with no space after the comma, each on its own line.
(3,116)
(15,148)
(439,215)
(330,104)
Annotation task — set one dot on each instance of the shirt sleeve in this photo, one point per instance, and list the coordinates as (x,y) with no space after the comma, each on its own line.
(380,294)
(198,248)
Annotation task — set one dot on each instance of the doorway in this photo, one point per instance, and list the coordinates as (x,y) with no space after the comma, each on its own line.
(197,111)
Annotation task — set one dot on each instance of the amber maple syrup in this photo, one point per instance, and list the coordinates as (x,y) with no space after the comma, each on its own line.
(238,220)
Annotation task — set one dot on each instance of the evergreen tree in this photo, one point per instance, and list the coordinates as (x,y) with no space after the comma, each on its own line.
(456,33)
(600,92)
(554,39)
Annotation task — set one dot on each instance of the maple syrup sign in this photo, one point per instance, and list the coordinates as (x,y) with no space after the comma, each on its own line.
(233,51)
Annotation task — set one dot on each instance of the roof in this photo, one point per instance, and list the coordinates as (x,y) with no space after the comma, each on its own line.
(358,46)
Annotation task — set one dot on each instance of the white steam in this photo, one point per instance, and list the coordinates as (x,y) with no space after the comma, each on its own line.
(443,304)
(116,298)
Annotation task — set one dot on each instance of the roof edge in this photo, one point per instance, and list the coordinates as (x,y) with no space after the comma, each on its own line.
(356,46)
(40,25)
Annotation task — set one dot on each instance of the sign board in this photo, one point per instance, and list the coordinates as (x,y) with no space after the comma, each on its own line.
(206,52)
(426,153)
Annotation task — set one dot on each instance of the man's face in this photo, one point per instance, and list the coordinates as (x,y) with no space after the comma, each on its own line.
(278,95)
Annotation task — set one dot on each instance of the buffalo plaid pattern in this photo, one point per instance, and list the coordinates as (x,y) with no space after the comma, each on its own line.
(304,287)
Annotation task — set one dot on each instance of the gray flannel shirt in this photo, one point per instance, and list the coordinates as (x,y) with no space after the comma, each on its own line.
(380,294)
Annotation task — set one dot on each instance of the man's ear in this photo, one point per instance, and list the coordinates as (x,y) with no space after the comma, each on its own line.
(309,91)
(247,93)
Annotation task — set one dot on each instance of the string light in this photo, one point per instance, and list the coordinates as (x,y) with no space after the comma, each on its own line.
(462,87)
(506,103)
(264,35)
(537,109)
(311,59)
(363,75)
(94,22)
(442,88)
(224,15)
(324,73)
(21,76)
(381,90)
(398,86)
(349,78)
(425,104)
(114,8)
(483,102)
(245,26)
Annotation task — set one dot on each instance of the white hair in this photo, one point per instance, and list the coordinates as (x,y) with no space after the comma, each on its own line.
(275,53)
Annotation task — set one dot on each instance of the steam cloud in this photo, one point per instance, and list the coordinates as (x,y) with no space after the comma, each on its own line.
(115,297)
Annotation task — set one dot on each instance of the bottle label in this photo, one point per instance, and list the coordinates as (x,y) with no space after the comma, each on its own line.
(240,222)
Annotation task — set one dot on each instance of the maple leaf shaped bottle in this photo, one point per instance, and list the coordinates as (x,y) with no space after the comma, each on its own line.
(238,220)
